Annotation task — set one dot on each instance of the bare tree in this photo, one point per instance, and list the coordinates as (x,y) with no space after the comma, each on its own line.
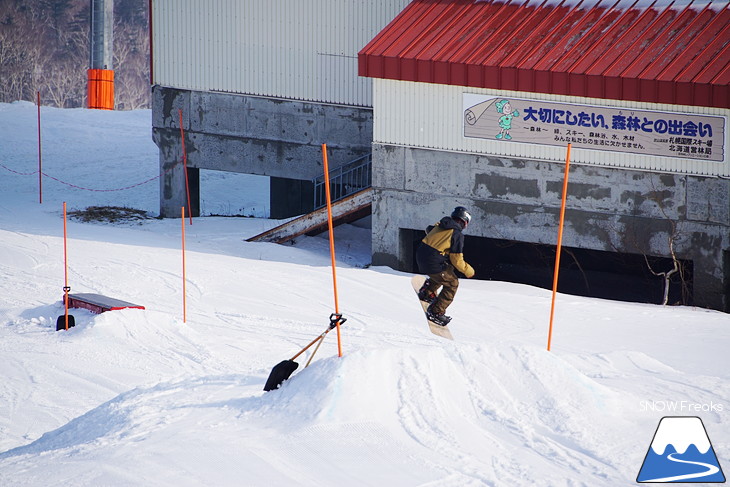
(44,47)
(65,77)
(131,59)
(12,84)
(636,236)
(16,48)
(673,237)
(667,275)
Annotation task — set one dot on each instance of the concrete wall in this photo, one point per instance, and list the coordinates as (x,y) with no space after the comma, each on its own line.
(608,209)
(253,135)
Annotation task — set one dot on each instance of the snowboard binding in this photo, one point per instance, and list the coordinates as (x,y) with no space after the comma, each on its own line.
(441,320)
(425,295)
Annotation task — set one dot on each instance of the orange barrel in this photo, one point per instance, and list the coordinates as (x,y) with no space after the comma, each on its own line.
(101,89)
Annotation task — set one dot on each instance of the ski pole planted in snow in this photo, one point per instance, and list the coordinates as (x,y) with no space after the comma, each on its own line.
(40,159)
(332,243)
(560,244)
(66,321)
(184,292)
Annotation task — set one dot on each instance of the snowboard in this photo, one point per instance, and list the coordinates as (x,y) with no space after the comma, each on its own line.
(442,331)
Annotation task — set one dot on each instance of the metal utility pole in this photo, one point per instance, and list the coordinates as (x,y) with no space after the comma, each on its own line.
(101,72)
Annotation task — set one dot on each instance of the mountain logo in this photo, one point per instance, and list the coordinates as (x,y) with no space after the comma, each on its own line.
(681,452)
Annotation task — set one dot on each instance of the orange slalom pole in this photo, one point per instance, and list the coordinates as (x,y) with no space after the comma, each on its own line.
(332,241)
(40,159)
(185,165)
(560,244)
(182,210)
(66,289)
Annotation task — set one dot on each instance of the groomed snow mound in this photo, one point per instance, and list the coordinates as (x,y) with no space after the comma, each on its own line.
(447,415)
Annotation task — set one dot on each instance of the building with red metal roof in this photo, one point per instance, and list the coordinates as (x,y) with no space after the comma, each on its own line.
(475,103)
(651,51)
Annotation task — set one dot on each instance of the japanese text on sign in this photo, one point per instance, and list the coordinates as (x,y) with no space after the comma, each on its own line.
(662,134)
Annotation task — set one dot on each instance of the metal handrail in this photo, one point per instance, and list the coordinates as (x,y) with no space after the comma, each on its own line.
(345,180)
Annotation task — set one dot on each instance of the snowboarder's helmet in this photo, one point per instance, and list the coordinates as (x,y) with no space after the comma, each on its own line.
(460,213)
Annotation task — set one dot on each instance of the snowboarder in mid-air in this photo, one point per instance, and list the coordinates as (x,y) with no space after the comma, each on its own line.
(439,255)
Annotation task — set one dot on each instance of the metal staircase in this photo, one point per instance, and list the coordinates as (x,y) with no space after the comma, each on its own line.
(345,180)
(351,193)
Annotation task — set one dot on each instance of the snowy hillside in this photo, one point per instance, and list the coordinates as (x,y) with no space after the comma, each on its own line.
(140,398)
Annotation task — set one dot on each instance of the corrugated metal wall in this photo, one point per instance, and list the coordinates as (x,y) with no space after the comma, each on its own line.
(298,49)
(431,116)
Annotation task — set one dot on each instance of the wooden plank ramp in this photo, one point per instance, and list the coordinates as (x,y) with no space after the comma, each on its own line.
(346,210)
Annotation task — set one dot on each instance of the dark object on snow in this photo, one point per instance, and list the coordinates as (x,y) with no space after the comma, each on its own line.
(61,322)
(280,373)
(284,369)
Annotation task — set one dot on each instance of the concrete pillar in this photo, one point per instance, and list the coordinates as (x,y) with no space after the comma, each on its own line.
(173,193)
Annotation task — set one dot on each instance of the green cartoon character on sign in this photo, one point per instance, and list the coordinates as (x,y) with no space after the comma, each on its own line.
(505,121)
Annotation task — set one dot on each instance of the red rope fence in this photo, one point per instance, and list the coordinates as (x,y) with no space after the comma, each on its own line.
(85,188)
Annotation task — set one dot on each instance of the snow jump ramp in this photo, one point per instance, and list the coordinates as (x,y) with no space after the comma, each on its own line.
(346,210)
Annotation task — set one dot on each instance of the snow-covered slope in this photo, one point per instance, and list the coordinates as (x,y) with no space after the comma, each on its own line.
(138,397)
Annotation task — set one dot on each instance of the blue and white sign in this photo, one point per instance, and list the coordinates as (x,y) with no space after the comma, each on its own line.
(647,132)
(681,452)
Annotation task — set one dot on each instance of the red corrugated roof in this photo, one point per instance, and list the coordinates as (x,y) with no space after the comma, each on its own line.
(654,51)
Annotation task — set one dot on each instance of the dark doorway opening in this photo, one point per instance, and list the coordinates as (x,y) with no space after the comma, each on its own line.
(583,272)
